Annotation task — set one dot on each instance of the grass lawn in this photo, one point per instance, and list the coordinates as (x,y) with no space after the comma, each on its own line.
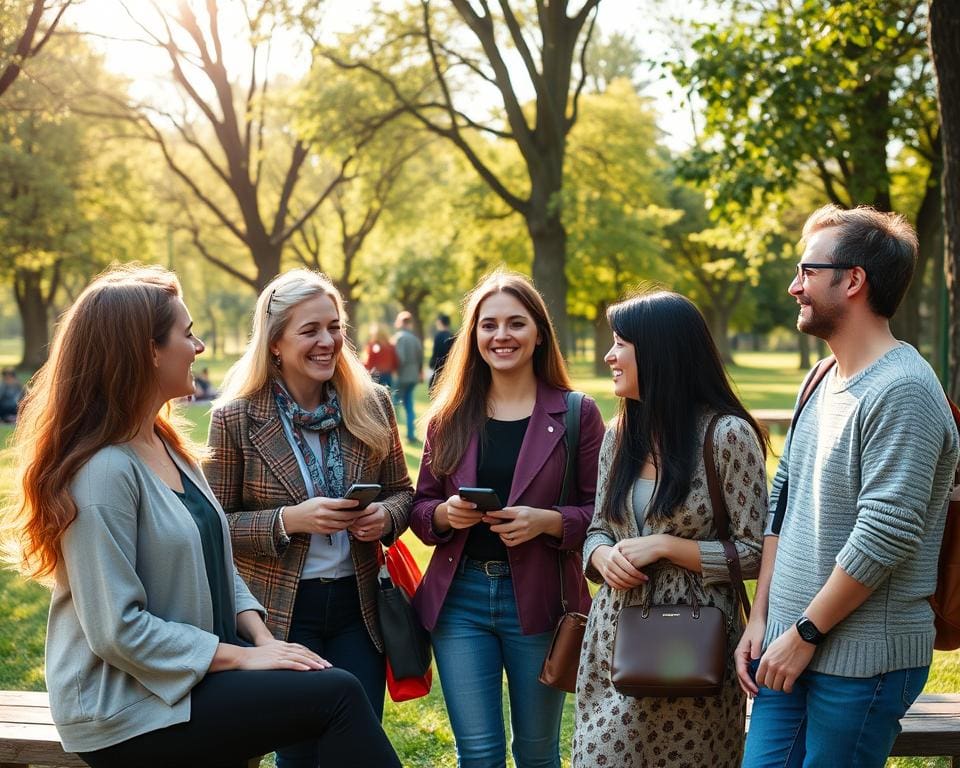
(418,729)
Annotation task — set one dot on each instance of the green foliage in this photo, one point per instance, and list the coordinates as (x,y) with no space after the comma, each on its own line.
(615,203)
(807,84)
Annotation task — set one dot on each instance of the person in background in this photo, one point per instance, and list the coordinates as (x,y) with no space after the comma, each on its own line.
(298,422)
(156,652)
(409,369)
(202,386)
(442,342)
(491,594)
(11,393)
(379,356)
(654,529)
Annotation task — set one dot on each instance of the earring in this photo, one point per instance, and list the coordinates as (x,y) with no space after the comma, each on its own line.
(275,359)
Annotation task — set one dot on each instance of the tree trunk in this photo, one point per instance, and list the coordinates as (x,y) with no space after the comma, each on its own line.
(28,289)
(803,344)
(906,322)
(718,320)
(944,35)
(266,257)
(601,339)
(549,274)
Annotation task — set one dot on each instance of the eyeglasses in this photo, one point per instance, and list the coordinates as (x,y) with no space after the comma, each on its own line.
(803,266)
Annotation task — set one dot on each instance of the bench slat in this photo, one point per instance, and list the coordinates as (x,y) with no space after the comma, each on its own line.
(25,698)
(14,714)
(27,743)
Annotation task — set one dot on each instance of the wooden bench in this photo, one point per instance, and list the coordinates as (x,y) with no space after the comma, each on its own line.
(774,417)
(28,737)
(931,728)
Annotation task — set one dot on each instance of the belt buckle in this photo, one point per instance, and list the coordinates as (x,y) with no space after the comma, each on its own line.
(499,568)
(486,568)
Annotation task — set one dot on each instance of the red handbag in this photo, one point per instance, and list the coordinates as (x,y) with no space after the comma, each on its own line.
(405,575)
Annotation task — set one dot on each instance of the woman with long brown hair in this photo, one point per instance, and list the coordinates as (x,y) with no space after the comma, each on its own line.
(492,594)
(146,603)
(298,423)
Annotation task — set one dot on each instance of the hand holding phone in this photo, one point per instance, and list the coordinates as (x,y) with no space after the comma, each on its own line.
(363,493)
(486,499)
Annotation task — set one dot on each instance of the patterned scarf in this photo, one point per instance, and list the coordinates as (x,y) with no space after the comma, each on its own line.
(327,479)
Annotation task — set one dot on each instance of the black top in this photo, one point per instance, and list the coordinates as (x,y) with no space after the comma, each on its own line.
(499,450)
(211,539)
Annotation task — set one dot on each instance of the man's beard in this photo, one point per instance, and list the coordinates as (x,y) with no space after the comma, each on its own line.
(819,320)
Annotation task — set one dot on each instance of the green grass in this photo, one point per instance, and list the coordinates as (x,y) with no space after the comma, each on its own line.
(419,729)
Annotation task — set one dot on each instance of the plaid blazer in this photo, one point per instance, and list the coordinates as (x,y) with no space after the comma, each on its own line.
(253,471)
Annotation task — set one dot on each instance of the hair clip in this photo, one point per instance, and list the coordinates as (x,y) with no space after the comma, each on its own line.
(270,301)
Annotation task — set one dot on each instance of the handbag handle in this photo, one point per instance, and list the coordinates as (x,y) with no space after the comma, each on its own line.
(721,517)
(571,423)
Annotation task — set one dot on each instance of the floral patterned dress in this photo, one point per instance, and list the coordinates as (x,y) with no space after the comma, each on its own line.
(682,732)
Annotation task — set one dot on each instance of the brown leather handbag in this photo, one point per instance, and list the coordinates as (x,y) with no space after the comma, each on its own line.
(678,650)
(559,668)
(560,665)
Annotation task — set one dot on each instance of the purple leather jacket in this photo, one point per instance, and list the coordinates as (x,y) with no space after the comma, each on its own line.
(537,479)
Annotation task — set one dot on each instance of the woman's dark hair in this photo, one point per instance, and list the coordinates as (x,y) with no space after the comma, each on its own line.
(680,377)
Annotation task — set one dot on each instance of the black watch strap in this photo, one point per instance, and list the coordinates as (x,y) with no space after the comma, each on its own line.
(808,631)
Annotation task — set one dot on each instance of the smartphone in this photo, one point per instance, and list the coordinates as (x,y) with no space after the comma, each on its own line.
(486,499)
(364,493)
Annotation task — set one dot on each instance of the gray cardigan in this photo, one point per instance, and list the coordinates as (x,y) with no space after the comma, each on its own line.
(130,626)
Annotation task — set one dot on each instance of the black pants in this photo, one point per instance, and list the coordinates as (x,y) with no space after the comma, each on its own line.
(237,715)
(328,621)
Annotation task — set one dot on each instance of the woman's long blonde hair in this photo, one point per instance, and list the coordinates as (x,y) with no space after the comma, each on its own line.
(459,406)
(254,370)
(95,390)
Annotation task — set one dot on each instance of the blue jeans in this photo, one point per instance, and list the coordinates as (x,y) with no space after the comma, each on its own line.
(403,393)
(327,619)
(476,639)
(830,720)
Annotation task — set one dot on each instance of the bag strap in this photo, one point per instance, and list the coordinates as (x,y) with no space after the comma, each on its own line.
(816,375)
(571,423)
(721,517)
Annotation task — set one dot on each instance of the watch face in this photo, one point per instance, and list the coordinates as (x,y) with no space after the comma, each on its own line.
(807,631)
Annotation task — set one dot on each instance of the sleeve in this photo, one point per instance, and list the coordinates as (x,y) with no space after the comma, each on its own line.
(902,438)
(599,533)
(397,492)
(739,459)
(576,517)
(253,532)
(429,494)
(99,555)
(244,598)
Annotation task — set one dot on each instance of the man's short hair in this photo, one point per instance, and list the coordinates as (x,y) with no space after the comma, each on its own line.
(403,317)
(883,244)
(444,319)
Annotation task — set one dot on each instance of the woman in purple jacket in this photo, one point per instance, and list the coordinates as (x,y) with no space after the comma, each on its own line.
(491,595)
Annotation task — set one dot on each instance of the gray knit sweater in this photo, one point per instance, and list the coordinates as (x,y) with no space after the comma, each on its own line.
(870,467)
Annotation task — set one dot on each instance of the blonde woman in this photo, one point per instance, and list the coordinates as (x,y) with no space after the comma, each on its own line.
(299,421)
(114,510)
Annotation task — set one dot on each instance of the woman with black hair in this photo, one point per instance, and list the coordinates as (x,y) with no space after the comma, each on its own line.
(653,528)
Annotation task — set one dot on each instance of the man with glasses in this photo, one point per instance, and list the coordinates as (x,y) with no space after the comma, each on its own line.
(841,614)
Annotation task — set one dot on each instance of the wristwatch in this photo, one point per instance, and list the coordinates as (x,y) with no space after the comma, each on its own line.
(808,631)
